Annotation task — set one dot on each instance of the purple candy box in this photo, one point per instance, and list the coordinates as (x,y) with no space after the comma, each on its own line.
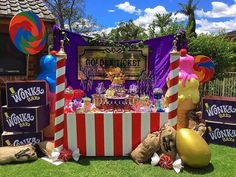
(17,139)
(26,93)
(28,119)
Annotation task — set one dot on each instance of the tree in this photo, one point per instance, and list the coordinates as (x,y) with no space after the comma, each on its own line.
(152,30)
(127,31)
(66,11)
(166,24)
(215,46)
(162,21)
(188,9)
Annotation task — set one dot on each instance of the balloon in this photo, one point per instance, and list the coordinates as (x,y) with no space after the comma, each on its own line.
(192,148)
(204,68)
(27,32)
(48,71)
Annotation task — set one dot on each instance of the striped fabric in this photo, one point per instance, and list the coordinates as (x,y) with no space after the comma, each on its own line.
(109,134)
(173,88)
(60,88)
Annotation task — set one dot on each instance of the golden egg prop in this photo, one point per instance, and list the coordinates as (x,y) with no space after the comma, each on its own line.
(192,148)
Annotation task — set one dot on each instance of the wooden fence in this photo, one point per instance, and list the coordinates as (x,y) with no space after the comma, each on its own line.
(226,86)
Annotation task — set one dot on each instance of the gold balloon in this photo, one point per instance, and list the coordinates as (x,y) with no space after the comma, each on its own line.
(192,148)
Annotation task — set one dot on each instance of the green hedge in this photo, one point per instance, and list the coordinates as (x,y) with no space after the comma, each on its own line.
(217,47)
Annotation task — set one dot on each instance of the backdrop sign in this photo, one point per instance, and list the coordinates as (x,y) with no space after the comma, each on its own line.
(100,58)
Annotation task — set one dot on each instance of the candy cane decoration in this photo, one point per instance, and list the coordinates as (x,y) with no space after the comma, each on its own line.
(173,88)
(60,89)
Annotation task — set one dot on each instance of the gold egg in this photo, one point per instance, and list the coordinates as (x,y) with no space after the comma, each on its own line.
(192,148)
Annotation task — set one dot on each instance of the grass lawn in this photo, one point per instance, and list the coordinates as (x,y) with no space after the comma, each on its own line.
(222,165)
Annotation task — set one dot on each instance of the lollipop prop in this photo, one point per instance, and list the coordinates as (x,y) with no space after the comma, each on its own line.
(27,32)
(204,68)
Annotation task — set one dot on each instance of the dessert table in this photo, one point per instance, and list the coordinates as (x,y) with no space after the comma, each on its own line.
(109,134)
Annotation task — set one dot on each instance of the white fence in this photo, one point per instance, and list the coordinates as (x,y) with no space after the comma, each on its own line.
(221,87)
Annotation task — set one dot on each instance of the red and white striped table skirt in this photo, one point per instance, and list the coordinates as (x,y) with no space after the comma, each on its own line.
(109,134)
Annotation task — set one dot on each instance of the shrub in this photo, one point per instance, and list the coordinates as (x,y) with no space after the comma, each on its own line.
(222,51)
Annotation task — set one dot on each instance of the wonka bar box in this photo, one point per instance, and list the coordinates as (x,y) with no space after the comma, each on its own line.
(17,139)
(219,109)
(219,133)
(26,93)
(28,119)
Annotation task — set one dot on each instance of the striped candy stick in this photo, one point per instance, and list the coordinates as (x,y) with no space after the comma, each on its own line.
(173,88)
(60,89)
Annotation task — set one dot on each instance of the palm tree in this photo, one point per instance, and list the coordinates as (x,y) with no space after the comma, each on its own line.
(188,10)
(162,21)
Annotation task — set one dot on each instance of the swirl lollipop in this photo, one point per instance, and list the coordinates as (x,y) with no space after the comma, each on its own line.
(204,68)
(27,32)
(166,161)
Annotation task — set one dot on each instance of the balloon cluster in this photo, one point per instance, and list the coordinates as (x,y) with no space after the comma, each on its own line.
(48,73)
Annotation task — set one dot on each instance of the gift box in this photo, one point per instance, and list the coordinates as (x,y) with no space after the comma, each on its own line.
(219,109)
(26,93)
(17,139)
(27,119)
(221,133)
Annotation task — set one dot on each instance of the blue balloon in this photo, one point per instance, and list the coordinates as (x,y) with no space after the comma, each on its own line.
(48,71)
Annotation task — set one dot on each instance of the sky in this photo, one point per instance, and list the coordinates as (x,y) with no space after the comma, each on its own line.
(211,16)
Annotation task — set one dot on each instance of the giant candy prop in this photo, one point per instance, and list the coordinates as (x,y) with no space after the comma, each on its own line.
(27,32)
(188,89)
(188,93)
(192,148)
(204,68)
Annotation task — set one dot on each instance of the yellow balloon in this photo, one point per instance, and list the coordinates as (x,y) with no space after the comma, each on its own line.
(192,148)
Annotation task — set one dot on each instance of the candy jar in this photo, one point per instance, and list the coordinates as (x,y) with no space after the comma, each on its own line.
(87,104)
(98,98)
(76,102)
(133,89)
(100,88)
(158,94)
(69,94)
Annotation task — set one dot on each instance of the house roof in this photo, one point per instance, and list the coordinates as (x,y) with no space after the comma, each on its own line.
(9,8)
(231,33)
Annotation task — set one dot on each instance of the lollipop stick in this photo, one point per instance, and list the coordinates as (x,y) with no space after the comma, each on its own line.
(27,66)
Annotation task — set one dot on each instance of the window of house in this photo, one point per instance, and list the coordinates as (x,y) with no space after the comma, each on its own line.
(12,61)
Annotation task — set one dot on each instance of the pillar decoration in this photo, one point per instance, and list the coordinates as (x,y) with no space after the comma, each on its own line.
(173,85)
(60,99)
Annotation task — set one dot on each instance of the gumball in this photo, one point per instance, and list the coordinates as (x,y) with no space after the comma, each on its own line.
(166,161)
(192,148)
(53,53)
